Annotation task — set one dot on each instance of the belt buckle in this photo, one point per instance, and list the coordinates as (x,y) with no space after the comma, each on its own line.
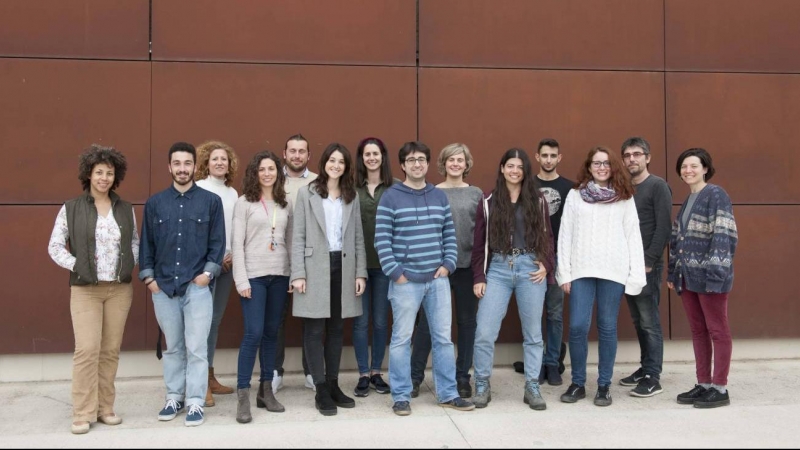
(515,252)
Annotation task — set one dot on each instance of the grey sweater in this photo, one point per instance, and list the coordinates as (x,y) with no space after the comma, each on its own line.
(463,206)
(653,200)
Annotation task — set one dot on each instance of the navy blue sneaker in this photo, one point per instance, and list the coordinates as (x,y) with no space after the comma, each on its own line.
(362,388)
(170,410)
(401,408)
(459,404)
(195,416)
(378,384)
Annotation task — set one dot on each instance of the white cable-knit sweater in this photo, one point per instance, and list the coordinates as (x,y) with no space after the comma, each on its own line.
(601,240)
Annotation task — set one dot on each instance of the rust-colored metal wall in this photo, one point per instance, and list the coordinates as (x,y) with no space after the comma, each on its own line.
(721,74)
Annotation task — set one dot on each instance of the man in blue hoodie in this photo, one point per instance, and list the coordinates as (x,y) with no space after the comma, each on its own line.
(416,243)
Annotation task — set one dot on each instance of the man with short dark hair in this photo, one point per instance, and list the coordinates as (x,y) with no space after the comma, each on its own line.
(181,251)
(653,199)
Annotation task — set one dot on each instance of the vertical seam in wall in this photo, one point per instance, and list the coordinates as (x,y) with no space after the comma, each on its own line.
(150,154)
(670,296)
(417,63)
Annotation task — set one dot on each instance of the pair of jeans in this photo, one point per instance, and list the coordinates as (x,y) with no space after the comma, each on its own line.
(647,321)
(581,303)
(99,313)
(220,293)
(280,346)
(510,274)
(262,314)
(466,312)
(323,338)
(406,300)
(375,301)
(185,321)
(554,322)
(711,334)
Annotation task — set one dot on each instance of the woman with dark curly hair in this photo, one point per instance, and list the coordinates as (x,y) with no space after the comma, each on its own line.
(261,240)
(95,239)
(216,168)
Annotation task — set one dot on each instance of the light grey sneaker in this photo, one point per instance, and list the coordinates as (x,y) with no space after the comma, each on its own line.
(533,397)
(483,392)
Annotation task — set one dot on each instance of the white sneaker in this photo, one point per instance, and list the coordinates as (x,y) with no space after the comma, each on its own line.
(310,383)
(277,381)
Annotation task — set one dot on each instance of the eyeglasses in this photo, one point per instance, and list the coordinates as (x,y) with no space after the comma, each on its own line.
(598,164)
(635,155)
(412,161)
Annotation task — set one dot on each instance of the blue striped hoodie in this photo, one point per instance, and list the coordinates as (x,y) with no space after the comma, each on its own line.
(414,233)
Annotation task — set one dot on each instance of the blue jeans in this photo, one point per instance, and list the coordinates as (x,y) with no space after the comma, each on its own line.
(647,321)
(185,322)
(554,303)
(220,293)
(376,305)
(406,300)
(262,314)
(501,281)
(466,312)
(581,303)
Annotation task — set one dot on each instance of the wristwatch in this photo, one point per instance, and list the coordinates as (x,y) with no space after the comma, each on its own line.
(209,275)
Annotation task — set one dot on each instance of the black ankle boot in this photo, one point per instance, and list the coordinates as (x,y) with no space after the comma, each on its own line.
(338,396)
(260,395)
(323,401)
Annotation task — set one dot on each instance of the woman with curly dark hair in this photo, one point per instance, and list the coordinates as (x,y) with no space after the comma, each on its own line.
(600,256)
(95,239)
(261,243)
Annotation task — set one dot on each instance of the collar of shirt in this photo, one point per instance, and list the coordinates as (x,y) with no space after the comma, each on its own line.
(303,175)
(188,194)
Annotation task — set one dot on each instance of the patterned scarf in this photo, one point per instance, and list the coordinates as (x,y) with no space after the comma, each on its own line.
(593,193)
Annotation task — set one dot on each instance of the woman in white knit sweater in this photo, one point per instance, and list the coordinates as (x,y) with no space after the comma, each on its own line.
(600,256)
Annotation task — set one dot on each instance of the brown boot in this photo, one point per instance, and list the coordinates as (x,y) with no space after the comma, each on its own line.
(209,398)
(215,386)
(269,399)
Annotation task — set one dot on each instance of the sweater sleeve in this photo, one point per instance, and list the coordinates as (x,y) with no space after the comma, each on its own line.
(672,262)
(384,224)
(662,204)
(637,279)
(361,254)
(549,262)
(565,236)
(719,259)
(479,245)
(238,234)
(449,239)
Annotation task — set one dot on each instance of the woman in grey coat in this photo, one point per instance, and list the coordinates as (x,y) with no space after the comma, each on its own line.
(329,270)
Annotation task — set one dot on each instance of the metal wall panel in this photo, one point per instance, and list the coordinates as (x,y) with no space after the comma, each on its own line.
(745,121)
(50,110)
(553,34)
(732,35)
(286,31)
(96,29)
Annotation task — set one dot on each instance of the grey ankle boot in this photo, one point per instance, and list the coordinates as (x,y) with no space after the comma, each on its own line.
(269,400)
(243,410)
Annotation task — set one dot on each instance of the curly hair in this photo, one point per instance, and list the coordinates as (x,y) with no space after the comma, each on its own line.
(346,182)
(251,185)
(97,154)
(620,179)
(204,155)
(452,150)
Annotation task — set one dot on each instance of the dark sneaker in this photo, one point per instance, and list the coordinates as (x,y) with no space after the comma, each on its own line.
(573,394)
(647,387)
(459,404)
(194,416)
(603,396)
(553,377)
(401,408)
(543,374)
(377,383)
(713,399)
(170,410)
(464,389)
(688,398)
(519,367)
(483,393)
(633,379)
(533,397)
(362,388)
(415,388)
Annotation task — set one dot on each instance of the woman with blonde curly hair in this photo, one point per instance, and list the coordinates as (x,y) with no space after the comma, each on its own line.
(216,169)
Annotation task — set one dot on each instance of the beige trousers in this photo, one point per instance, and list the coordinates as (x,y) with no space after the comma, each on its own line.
(98,319)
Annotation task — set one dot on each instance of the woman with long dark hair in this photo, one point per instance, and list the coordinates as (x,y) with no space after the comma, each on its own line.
(600,256)
(512,253)
(329,270)
(261,244)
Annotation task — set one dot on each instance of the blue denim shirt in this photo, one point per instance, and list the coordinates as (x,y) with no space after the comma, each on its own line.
(183,235)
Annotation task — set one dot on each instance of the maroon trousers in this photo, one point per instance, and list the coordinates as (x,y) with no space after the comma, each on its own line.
(711,335)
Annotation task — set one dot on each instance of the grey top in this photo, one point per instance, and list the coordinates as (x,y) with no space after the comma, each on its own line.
(463,206)
(687,212)
(653,199)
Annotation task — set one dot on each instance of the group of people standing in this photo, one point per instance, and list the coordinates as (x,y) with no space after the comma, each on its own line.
(352,242)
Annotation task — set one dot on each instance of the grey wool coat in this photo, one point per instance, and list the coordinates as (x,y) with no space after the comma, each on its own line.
(311,260)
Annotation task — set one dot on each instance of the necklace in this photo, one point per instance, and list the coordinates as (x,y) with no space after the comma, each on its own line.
(272,244)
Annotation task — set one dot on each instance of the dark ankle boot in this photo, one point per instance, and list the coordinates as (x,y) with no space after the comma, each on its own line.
(260,395)
(338,396)
(323,400)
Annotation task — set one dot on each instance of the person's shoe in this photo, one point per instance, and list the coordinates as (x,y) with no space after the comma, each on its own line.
(309,383)
(338,396)
(110,419)
(216,387)
(464,389)
(603,396)
(269,401)
(561,357)
(194,416)
(543,374)
(633,379)
(415,388)
(713,399)
(402,408)
(243,408)
(209,399)
(80,427)
(533,397)
(170,410)
(519,367)
(362,388)
(647,387)
(277,382)
(483,392)
(323,400)
(377,383)
(688,398)
(459,404)
(553,377)
(573,394)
